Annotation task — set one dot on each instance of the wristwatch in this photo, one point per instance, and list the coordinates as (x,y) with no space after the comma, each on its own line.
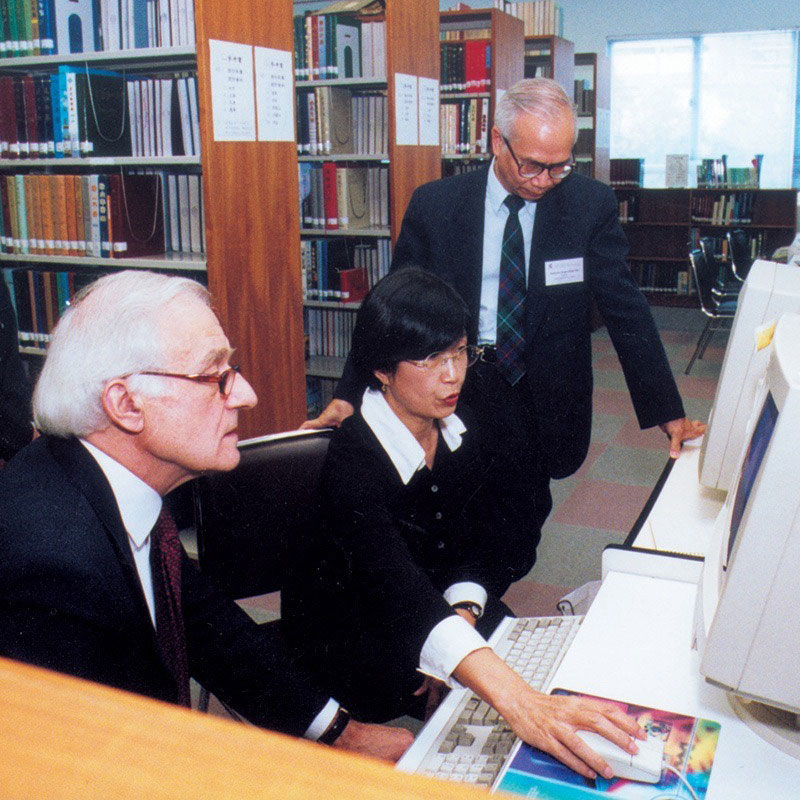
(336,728)
(473,608)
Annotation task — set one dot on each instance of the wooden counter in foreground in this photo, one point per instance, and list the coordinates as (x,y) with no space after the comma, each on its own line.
(64,738)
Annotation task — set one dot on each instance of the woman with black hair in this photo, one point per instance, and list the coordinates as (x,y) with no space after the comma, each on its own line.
(425,522)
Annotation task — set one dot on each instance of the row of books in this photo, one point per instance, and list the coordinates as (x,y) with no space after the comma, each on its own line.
(626,171)
(333,46)
(464,126)
(352,198)
(584,97)
(342,270)
(101,215)
(329,331)
(584,144)
(660,278)
(451,32)
(715,173)
(541,17)
(319,393)
(723,209)
(453,167)
(334,121)
(628,208)
(47,27)
(533,70)
(39,299)
(78,112)
(466,66)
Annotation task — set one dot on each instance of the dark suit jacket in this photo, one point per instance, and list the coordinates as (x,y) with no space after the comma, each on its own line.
(443,231)
(71,600)
(367,590)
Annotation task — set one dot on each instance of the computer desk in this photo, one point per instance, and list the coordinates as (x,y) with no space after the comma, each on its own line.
(635,644)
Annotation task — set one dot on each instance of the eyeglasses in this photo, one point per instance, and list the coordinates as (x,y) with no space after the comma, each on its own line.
(224,379)
(530,169)
(462,358)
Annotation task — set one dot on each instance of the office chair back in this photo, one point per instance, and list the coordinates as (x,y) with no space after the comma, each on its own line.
(739,247)
(703,275)
(247,518)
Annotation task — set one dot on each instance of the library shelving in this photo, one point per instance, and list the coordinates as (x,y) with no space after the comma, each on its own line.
(372,176)
(475,37)
(551,57)
(592,100)
(250,222)
(662,225)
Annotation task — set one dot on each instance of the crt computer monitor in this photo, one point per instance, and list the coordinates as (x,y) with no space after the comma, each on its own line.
(770,290)
(747,622)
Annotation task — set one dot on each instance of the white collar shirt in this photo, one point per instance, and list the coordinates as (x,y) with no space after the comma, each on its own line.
(495,216)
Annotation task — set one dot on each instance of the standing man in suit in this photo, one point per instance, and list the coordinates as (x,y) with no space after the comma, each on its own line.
(137,396)
(529,244)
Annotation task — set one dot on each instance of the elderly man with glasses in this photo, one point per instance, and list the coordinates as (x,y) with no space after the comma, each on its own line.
(531,246)
(137,396)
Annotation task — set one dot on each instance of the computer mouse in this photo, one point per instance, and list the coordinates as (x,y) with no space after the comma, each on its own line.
(645,766)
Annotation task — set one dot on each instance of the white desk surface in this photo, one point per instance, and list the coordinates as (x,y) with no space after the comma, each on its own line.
(634,645)
(682,517)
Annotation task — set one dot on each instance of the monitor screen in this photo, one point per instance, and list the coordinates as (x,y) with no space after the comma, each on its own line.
(752,463)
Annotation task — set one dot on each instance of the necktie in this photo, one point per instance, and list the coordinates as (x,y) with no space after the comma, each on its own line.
(511,296)
(165,562)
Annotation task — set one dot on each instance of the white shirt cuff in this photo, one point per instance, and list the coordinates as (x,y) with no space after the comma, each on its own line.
(322,721)
(466,592)
(450,641)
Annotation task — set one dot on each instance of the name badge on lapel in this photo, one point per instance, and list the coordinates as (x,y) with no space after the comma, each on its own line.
(566,270)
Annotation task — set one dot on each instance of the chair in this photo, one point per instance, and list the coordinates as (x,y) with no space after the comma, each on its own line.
(725,286)
(718,312)
(247,518)
(739,250)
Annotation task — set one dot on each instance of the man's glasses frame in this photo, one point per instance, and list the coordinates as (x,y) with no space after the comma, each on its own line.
(531,169)
(224,379)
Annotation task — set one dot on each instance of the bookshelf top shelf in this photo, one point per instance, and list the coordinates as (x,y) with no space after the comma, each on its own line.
(354,83)
(347,157)
(106,161)
(179,262)
(149,57)
(374,233)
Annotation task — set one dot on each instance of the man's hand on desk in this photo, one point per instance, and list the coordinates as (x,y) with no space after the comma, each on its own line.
(548,722)
(378,741)
(679,430)
(332,417)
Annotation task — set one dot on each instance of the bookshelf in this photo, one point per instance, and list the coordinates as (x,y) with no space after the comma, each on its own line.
(503,35)
(592,100)
(663,224)
(411,49)
(250,263)
(551,57)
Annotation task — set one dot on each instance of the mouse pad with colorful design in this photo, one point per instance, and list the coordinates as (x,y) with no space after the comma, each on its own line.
(689,748)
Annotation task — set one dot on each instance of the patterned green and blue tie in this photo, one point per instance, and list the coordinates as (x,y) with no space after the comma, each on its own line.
(511,296)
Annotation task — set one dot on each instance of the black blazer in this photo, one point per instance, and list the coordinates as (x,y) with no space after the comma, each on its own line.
(367,586)
(71,600)
(443,231)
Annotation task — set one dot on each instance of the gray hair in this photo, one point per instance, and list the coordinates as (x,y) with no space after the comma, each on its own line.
(109,330)
(540,97)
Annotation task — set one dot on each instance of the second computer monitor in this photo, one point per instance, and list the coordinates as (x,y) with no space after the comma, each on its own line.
(770,290)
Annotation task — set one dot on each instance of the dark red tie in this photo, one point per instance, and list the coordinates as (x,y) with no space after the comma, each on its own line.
(165,562)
